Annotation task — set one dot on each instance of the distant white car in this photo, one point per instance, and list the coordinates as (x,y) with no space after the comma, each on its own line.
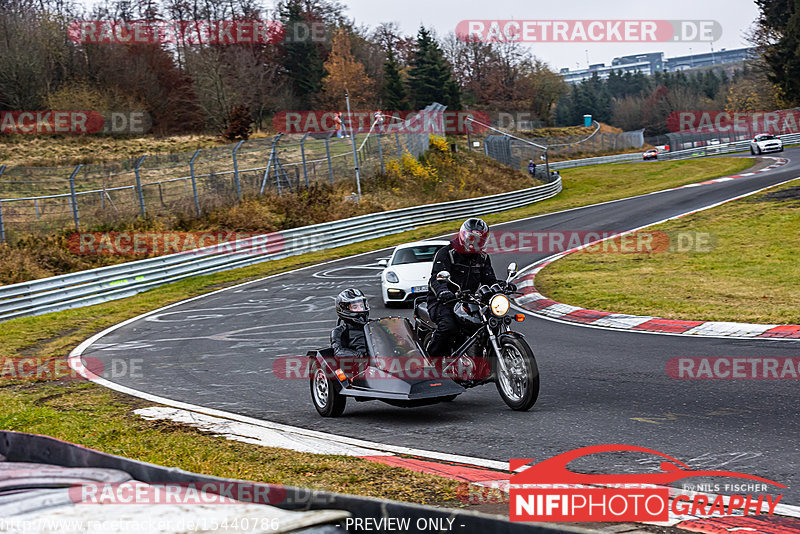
(765,143)
(406,273)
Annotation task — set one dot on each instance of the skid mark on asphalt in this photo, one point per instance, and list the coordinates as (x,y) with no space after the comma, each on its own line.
(670,417)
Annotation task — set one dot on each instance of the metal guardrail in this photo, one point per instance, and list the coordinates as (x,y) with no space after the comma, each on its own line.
(95,286)
(708,150)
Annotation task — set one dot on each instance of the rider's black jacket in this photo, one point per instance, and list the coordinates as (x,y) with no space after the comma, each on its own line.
(348,340)
(467,270)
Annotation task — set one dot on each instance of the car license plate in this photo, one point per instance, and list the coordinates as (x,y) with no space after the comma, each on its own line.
(419,289)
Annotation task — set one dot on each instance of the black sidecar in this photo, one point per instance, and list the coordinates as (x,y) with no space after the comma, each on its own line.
(397,372)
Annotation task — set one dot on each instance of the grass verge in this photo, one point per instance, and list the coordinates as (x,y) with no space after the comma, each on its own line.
(93,416)
(750,275)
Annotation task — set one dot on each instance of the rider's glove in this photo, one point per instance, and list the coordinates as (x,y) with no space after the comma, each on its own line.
(445,295)
(511,287)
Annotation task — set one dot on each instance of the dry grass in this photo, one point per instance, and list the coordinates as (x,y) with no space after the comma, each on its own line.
(104,420)
(750,275)
(51,151)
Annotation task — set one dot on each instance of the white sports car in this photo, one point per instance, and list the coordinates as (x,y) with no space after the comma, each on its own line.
(765,143)
(407,271)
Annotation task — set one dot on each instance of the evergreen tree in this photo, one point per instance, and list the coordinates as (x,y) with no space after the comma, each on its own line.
(430,77)
(778,34)
(302,61)
(394,94)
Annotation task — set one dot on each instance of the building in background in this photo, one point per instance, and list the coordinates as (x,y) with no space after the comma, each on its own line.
(655,62)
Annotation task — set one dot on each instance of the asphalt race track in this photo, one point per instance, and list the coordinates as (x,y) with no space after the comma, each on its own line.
(598,386)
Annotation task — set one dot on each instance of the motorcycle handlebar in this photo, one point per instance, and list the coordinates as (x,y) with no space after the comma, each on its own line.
(465,294)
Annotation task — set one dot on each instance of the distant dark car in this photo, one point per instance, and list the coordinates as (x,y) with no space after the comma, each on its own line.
(650,154)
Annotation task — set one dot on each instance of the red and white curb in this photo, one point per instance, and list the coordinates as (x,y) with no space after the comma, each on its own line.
(537,303)
(540,305)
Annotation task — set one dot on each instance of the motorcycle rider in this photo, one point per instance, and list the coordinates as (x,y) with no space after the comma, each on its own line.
(348,338)
(469,267)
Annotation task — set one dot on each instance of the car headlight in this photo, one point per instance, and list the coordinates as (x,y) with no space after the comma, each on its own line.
(391,277)
(499,305)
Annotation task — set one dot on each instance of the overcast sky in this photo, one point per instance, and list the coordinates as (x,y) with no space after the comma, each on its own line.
(735,16)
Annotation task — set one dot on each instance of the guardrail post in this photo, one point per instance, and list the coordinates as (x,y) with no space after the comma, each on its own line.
(272,155)
(36,207)
(236,181)
(194,182)
(547,165)
(139,192)
(380,153)
(74,198)
(303,156)
(355,152)
(328,152)
(2,226)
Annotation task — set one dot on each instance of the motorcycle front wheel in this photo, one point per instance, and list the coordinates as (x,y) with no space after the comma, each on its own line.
(519,386)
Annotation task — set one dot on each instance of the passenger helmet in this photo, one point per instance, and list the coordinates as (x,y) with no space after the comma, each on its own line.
(473,235)
(352,305)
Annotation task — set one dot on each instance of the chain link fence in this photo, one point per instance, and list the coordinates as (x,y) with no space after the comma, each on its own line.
(40,200)
(519,154)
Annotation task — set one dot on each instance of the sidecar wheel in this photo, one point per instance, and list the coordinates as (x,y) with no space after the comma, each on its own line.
(327,400)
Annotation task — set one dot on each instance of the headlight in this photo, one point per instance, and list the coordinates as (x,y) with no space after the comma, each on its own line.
(391,277)
(499,305)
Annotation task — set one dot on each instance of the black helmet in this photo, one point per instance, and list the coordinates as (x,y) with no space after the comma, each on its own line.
(352,305)
(473,235)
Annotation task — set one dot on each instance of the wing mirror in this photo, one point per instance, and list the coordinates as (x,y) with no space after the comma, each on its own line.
(444,276)
(383,262)
(512,270)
